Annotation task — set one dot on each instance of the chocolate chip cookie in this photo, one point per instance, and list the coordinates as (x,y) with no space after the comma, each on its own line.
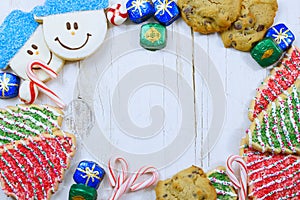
(250,27)
(189,184)
(209,16)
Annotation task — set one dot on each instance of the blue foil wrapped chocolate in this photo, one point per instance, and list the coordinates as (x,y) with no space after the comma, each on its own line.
(166,11)
(140,10)
(89,173)
(281,35)
(9,85)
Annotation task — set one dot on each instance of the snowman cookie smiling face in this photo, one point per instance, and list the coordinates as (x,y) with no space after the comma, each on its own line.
(76,35)
(35,49)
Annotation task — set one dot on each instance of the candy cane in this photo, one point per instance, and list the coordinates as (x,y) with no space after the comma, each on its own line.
(129,184)
(116,181)
(240,185)
(31,75)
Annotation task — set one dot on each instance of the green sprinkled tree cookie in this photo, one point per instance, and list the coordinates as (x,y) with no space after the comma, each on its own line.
(21,121)
(276,129)
(220,180)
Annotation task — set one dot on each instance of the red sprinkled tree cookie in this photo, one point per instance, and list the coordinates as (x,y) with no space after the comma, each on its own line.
(272,176)
(33,168)
(279,80)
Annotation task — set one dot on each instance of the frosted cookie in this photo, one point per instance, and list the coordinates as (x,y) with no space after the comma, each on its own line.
(276,129)
(21,42)
(206,16)
(271,176)
(187,184)
(279,80)
(21,121)
(35,49)
(73,29)
(224,187)
(253,22)
(33,168)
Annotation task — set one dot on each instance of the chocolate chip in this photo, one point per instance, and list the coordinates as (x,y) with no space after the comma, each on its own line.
(260,28)
(188,10)
(233,44)
(190,175)
(195,195)
(195,172)
(237,26)
(250,21)
(165,195)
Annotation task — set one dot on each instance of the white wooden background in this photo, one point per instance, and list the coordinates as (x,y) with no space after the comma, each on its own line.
(171,81)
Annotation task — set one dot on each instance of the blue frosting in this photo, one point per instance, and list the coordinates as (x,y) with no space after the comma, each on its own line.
(52,7)
(16,29)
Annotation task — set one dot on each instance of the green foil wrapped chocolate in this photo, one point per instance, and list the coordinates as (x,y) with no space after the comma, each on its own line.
(153,36)
(266,52)
(82,192)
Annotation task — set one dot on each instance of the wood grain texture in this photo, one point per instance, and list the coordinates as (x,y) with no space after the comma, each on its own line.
(239,73)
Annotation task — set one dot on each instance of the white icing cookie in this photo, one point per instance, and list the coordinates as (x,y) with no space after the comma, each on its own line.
(35,49)
(74,36)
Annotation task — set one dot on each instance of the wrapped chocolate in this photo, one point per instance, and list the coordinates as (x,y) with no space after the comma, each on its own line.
(139,10)
(89,173)
(166,11)
(153,36)
(82,192)
(9,85)
(266,52)
(281,35)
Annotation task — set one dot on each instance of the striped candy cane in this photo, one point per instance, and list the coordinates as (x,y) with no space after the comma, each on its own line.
(31,75)
(123,184)
(240,185)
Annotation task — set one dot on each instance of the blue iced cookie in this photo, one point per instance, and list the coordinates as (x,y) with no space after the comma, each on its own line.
(139,10)
(166,11)
(89,173)
(16,29)
(281,35)
(9,85)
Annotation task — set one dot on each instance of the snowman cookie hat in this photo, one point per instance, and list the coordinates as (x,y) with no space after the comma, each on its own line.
(73,29)
(16,29)
(53,7)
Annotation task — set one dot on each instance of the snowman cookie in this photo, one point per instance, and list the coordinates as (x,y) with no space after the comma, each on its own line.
(73,30)
(22,41)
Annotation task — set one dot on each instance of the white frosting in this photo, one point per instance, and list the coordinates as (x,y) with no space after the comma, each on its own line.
(35,49)
(74,36)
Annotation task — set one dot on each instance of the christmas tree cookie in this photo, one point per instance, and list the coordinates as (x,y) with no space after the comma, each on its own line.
(272,176)
(280,79)
(220,180)
(32,168)
(276,129)
(19,122)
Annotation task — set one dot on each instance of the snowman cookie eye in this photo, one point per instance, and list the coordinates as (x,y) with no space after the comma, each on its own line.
(68,25)
(34,46)
(29,52)
(75,25)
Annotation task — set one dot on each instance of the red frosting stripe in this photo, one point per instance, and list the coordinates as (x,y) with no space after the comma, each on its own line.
(33,168)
